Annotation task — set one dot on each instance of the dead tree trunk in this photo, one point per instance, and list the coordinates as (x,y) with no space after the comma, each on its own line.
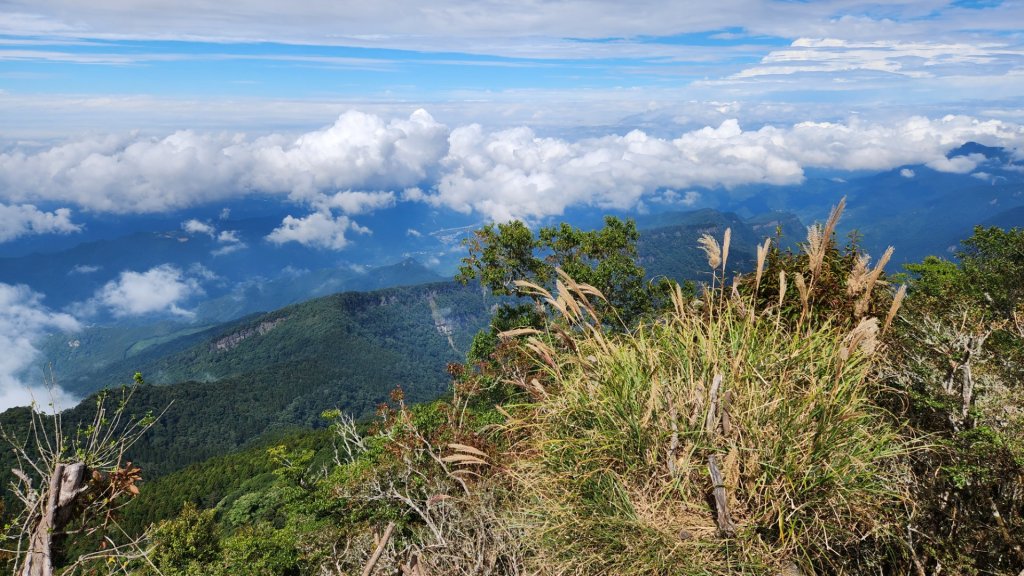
(66,483)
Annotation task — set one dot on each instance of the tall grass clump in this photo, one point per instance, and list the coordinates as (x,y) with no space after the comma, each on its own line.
(629,435)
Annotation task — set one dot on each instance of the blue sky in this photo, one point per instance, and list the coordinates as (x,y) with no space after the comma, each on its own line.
(482,107)
(68,67)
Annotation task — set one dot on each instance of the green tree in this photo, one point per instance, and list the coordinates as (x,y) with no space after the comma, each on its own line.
(500,254)
(187,543)
(959,357)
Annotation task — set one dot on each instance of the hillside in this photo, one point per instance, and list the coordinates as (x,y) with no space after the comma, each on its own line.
(237,381)
(668,242)
(107,353)
(78,359)
(671,449)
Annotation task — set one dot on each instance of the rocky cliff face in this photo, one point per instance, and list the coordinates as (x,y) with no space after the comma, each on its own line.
(232,340)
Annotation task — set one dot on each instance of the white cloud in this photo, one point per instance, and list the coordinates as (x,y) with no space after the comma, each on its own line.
(317,230)
(84,269)
(413,233)
(126,174)
(228,249)
(507,28)
(516,174)
(228,237)
(24,219)
(957,164)
(162,289)
(194,226)
(359,164)
(359,150)
(355,202)
(673,197)
(23,321)
(907,173)
(230,243)
(906,58)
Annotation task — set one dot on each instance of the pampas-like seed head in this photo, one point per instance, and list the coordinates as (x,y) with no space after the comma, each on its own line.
(861,306)
(819,239)
(858,278)
(801,287)
(725,249)
(762,255)
(833,218)
(897,301)
(712,249)
(782,286)
(864,337)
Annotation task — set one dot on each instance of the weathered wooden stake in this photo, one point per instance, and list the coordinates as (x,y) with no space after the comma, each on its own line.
(711,422)
(724,520)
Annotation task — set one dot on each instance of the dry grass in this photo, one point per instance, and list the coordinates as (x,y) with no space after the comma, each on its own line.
(610,461)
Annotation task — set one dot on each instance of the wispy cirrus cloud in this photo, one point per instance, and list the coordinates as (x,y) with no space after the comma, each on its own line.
(911,59)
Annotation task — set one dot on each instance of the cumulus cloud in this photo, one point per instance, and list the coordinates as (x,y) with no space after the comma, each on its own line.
(23,321)
(24,219)
(957,164)
(355,202)
(317,230)
(362,161)
(907,173)
(673,197)
(228,237)
(126,174)
(162,289)
(517,174)
(194,226)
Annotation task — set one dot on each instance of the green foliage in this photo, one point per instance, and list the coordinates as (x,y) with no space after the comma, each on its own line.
(959,355)
(992,263)
(183,545)
(260,550)
(502,254)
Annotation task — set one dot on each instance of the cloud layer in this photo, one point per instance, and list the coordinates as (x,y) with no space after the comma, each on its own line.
(354,166)
(126,174)
(496,27)
(23,320)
